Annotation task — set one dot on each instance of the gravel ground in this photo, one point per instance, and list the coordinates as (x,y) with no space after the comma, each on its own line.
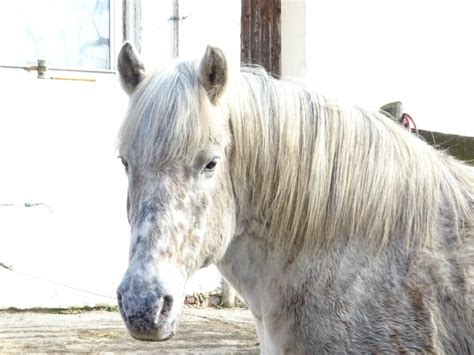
(201,330)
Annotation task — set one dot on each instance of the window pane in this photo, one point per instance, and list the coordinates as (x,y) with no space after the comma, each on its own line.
(67,33)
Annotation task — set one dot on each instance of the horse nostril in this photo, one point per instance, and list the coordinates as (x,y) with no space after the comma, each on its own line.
(167,305)
(120,304)
(119,296)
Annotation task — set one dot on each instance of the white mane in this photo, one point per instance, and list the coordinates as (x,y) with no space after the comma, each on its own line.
(319,170)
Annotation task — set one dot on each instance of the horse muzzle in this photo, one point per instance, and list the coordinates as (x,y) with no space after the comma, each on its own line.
(148,314)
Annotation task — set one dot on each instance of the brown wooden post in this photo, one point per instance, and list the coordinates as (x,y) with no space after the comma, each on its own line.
(261,34)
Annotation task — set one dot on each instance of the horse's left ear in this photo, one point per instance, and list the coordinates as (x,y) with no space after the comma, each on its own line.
(213,73)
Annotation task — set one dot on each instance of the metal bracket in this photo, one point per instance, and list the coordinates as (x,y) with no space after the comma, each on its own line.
(177,18)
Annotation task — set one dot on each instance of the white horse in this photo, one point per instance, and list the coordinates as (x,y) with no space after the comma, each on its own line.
(342,231)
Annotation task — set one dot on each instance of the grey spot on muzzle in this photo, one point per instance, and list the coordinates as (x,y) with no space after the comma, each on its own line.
(145,309)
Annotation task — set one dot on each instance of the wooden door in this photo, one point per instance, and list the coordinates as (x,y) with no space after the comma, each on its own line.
(261,34)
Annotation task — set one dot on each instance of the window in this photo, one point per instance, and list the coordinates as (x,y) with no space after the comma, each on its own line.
(68,34)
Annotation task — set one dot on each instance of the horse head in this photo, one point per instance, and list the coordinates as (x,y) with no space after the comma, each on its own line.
(174,145)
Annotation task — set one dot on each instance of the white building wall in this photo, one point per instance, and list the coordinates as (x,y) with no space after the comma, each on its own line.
(57,147)
(293,40)
(371,52)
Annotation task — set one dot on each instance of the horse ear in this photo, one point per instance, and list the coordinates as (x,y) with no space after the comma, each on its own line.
(213,73)
(130,68)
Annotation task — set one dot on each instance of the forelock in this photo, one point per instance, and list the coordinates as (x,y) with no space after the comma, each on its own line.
(168,118)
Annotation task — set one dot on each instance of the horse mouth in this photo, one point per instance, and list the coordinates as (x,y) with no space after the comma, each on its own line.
(162,333)
(152,337)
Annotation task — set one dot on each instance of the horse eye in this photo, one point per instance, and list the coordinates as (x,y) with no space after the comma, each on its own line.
(125,163)
(211,165)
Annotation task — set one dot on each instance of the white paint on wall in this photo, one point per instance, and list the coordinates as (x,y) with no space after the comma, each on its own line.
(157,33)
(372,52)
(211,22)
(57,148)
(293,40)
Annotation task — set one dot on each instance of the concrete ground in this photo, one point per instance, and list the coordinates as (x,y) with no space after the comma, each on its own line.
(201,330)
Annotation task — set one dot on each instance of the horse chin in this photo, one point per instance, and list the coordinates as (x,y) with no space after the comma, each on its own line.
(165,332)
